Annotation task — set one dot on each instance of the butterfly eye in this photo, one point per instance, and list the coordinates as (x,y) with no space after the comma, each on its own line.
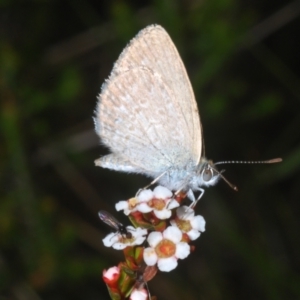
(207,174)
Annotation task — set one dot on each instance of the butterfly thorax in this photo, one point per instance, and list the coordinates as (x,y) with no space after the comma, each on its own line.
(191,176)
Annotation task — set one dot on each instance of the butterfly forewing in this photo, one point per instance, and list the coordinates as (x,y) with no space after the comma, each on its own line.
(153,48)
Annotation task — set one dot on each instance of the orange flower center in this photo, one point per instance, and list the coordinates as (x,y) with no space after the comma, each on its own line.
(184,225)
(158,204)
(125,239)
(165,248)
(132,202)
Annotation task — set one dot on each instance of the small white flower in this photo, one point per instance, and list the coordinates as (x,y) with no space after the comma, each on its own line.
(159,201)
(188,223)
(138,294)
(165,248)
(119,242)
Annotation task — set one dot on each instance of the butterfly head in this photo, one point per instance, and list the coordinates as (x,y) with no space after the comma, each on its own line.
(209,174)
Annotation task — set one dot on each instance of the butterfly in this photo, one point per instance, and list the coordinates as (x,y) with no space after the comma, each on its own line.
(148,117)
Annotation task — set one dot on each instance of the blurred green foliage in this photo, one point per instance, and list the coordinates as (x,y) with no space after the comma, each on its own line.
(53,58)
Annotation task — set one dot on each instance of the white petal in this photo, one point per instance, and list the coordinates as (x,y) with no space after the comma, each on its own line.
(139,240)
(139,231)
(144,208)
(198,223)
(173,234)
(132,229)
(172,204)
(154,238)
(138,294)
(127,212)
(140,235)
(121,205)
(119,246)
(145,195)
(167,264)
(150,256)
(193,234)
(160,192)
(162,214)
(182,250)
(110,239)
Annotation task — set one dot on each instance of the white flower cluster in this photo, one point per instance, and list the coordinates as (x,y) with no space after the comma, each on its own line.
(166,247)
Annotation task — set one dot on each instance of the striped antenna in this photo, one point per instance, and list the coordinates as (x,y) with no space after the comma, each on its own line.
(270,161)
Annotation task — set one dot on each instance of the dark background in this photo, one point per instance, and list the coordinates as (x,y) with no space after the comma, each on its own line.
(244,64)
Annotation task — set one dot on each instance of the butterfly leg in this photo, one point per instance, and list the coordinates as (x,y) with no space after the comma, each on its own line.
(191,196)
(200,195)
